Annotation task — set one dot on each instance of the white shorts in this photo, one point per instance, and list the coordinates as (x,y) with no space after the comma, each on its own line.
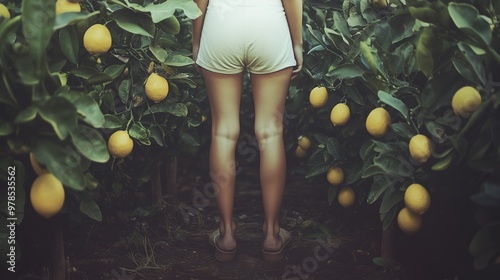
(245,33)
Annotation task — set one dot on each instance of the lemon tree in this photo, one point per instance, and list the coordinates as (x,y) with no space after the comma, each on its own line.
(420,99)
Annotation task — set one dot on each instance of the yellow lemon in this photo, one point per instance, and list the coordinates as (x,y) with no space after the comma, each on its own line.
(300,153)
(47,195)
(335,175)
(377,122)
(120,144)
(408,221)
(156,88)
(318,97)
(39,170)
(346,197)
(65,6)
(340,114)
(465,101)
(4,12)
(380,3)
(304,142)
(97,39)
(420,148)
(417,199)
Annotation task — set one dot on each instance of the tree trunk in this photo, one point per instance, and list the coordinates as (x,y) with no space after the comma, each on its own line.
(387,246)
(57,259)
(157,197)
(172,187)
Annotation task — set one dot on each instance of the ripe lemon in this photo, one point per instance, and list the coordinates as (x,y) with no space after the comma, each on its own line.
(318,97)
(335,175)
(465,101)
(47,195)
(420,148)
(300,153)
(340,114)
(417,199)
(4,12)
(97,39)
(380,3)
(156,88)
(408,221)
(346,197)
(377,122)
(120,144)
(304,142)
(65,6)
(39,170)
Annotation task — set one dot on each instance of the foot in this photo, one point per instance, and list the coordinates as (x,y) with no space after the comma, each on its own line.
(227,240)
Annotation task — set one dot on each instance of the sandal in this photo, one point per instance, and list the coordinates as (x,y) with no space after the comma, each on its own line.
(274,256)
(220,255)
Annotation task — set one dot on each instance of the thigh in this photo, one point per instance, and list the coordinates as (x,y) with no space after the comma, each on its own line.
(269,92)
(224,95)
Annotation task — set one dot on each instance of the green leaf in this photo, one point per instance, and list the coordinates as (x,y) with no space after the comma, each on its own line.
(61,114)
(403,130)
(6,128)
(86,107)
(135,23)
(114,70)
(178,60)
(393,102)
(443,163)
(333,148)
(140,133)
(89,207)
(90,144)
(124,91)
(91,182)
(390,199)
(69,44)
(177,109)
(84,72)
(474,61)
(484,246)
(99,78)
(159,53)
(332,194)
(318,169)
(166,9)
(190,137)
(111,122)
(62,160)
(170,25)
(65,19)
(26,115)
(379,186)
(467,18)
(341,25)
(38,17)
(346,71)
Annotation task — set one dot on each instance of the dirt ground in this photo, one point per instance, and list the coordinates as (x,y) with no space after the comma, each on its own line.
(329,242)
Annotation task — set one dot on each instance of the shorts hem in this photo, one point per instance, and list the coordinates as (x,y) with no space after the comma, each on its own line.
(212,69)
(274,69)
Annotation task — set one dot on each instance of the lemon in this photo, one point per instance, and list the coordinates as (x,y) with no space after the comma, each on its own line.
(65,6)
(380,3)
(465,101)
(335,175)
(4,12)
(417,199)
(156,88)
(420,148)
(318,97)
(97,39)
(408,221)
(377,122)
(304,142)
(340,114)
(39,170)
(346,197)
(120,144)
(300,153)
(47,195)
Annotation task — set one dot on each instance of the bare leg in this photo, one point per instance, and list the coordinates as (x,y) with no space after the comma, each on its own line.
(224,95)
(270,92)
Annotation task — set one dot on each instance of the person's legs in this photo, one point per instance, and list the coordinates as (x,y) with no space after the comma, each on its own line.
(224,94)
(270,92)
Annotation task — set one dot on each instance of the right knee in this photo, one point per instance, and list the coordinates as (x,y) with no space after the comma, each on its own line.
(230,132)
